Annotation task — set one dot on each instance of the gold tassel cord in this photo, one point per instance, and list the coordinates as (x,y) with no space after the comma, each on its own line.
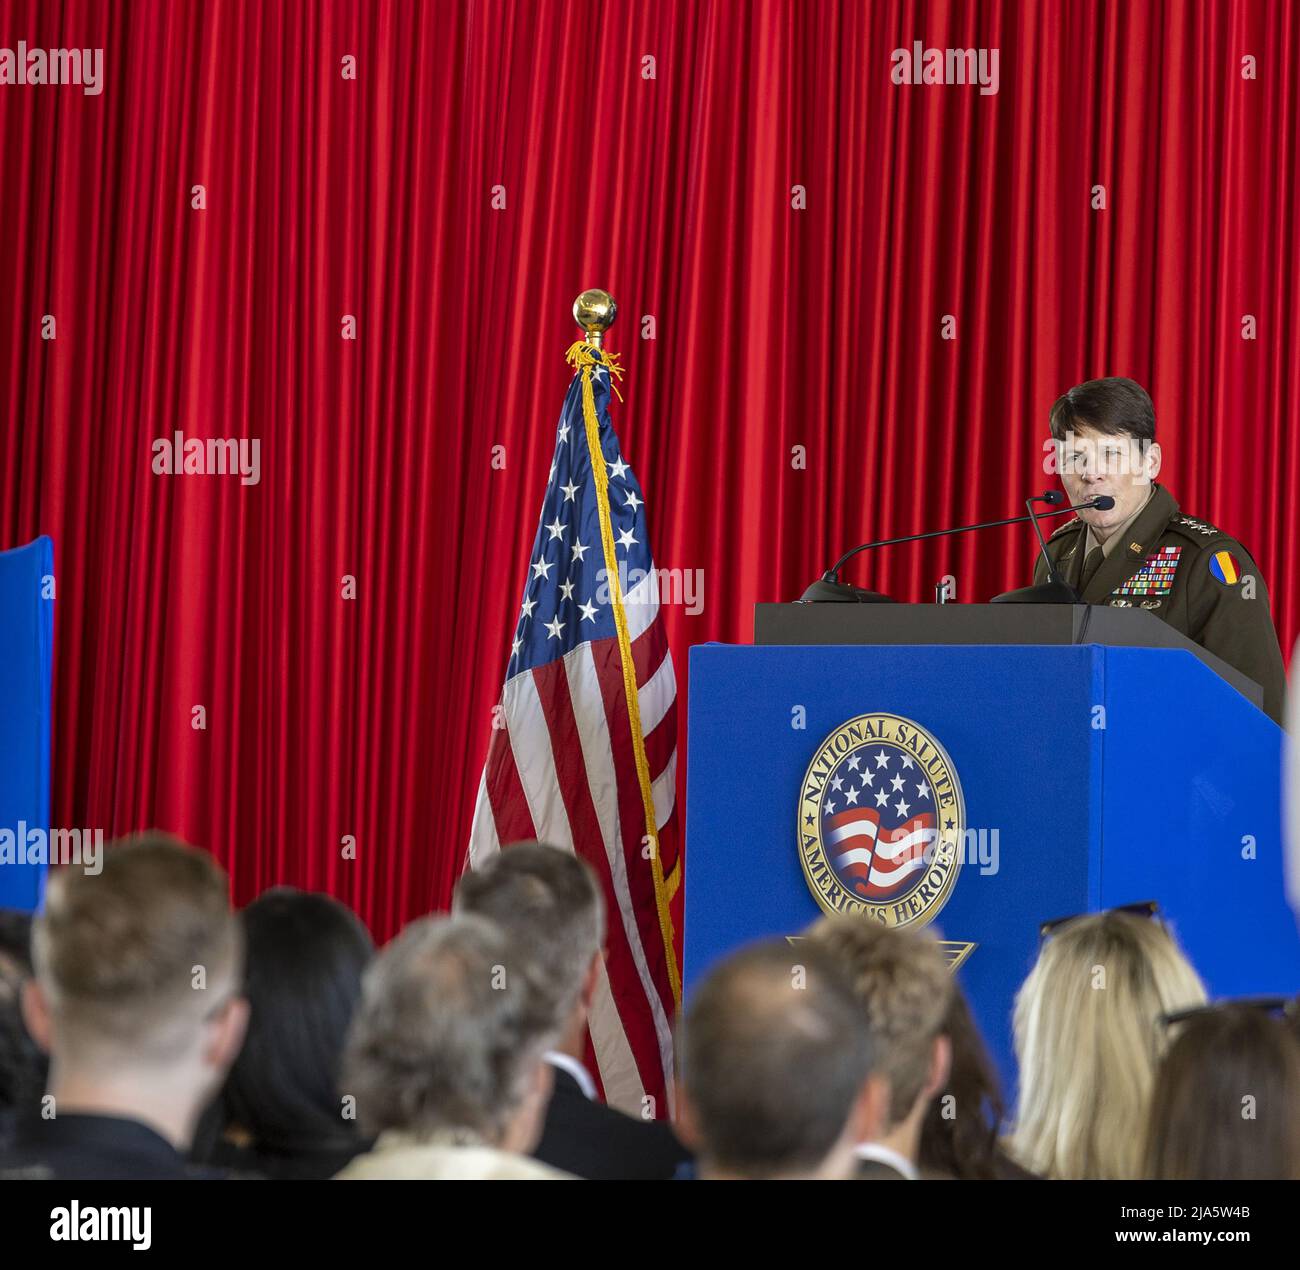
(582,357)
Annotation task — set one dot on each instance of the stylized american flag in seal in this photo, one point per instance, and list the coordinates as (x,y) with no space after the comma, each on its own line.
(878,820)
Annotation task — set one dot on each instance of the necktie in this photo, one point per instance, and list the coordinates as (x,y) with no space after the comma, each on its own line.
(1090,567)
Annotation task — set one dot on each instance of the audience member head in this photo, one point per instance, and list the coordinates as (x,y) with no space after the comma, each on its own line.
(1226,1102)
(306,954)
(548,901)
(900,978)
(22,1065)
(959,1136)
(137,990)
(777,1067)
(1088,1036)
(449,1037)
(15,943)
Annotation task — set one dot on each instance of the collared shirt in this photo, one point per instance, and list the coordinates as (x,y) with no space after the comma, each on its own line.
(1117,535)
(567,1063)
(887,1155)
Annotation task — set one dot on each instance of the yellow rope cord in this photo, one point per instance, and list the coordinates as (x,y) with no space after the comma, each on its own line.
(582,357)
(674,879)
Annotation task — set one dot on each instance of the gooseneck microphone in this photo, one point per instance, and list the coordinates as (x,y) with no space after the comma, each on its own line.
(829,588)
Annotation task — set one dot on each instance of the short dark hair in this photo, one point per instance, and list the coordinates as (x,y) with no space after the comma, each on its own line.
(1114,406)
(23,1068)
(776,1050)
(546,899)
(16,939)
(306,954)
(1195,1126)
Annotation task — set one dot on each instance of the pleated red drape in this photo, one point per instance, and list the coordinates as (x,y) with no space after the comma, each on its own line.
(490,160)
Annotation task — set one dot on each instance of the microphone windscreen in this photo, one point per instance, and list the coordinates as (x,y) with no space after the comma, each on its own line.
(1103,502)
(1053,497)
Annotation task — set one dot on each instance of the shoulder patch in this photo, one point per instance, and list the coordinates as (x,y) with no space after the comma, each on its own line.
(1225,568)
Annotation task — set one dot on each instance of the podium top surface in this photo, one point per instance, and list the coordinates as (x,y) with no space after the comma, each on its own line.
(983,624)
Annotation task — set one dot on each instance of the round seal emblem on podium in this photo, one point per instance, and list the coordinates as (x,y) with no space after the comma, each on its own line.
(881,821)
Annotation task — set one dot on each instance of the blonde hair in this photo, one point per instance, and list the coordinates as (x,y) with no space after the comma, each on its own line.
(1089,1036)
(900,978)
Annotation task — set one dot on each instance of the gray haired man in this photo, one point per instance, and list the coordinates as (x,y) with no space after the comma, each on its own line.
(444,1061)
(550,902)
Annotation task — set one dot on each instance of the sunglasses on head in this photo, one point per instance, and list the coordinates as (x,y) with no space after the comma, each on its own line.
(1145,908)
(1283,1007)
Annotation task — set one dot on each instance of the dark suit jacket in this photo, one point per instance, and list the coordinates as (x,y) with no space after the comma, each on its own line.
(591,1140)
(308,1163)
(878,1171)
(84,1147)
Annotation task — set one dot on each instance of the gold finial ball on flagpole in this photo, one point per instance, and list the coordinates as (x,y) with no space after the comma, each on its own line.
(595,311)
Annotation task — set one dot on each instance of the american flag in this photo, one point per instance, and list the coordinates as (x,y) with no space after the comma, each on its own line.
(584,751)
(878,821)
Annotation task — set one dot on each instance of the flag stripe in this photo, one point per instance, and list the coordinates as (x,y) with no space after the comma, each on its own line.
(661,744)
(538,781)
(509,809)
(574,777)
(631,820)
(659,690)
(483,837)
(602,771)
(665,792)
(641,604)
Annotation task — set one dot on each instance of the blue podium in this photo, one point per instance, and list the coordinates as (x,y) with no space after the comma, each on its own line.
(26,667)
(1021,783)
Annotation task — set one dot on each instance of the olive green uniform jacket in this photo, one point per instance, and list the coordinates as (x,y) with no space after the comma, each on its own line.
(1194,576)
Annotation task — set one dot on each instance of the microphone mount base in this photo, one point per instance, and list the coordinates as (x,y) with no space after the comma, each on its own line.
(1044,593)
(829,590)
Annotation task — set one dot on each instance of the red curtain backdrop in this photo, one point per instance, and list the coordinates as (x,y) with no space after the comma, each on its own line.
(774,327)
